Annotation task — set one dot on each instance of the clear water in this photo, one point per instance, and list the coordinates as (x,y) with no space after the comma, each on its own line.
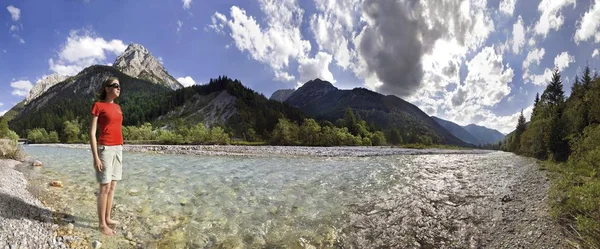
(185,201)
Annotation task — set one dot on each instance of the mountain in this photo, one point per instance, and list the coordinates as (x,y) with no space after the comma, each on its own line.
(483,134)
(72,99)
(309,92)
(457,130)
(282,95)
(322,100)
(137,62)
(44,84)
(148,95)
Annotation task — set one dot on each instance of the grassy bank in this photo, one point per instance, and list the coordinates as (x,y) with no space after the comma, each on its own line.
(574,199)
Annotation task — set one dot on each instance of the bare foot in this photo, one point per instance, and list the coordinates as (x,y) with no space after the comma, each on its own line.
(107,231)
(111,222)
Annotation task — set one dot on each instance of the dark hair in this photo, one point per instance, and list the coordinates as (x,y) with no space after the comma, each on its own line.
(105,84)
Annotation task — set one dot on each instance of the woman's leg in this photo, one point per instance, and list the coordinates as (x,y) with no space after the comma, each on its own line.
(102,201)
(109,200)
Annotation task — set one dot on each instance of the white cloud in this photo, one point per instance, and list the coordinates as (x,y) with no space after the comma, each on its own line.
(186,3)
(333,26)
(194,28)
(3,112)
(508,6)
(1,104)
(534,57)
(83,49)
(218,22)
(160,60)
(594,54)
(275,44)
(550,17)
(13,28)
(186,81)
(563,60)
(21,87)
(541,79)
(179,24)
(588,26)
(15,12)
(317,67)
(518,36)
(487,82)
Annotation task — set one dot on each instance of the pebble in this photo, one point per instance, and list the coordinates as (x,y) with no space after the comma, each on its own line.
(23,221)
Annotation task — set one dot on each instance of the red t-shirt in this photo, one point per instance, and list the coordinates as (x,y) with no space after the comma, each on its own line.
(110,120)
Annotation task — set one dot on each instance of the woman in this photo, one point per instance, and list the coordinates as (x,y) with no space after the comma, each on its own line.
(107,150)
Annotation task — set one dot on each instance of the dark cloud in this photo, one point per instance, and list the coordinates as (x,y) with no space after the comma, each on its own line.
(400,33)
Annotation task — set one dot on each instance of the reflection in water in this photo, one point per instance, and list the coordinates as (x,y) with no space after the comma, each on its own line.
(175,201)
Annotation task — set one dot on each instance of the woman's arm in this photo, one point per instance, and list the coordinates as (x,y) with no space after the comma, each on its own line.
(94,143)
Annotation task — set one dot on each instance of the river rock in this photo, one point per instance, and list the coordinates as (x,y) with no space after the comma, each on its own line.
(96,244)
(58,184)
(37,163)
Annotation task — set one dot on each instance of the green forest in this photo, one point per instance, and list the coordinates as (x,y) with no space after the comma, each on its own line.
(258,120)
(564,132)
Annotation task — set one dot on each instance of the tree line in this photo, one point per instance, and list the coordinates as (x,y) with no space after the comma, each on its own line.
(565,133)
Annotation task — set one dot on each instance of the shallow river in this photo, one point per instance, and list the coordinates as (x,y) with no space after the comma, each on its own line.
(190,201)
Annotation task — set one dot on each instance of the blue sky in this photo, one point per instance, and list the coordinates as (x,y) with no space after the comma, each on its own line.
(471,61)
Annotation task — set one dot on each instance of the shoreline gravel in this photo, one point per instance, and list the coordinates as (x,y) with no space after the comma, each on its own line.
(26,222)
(269,151)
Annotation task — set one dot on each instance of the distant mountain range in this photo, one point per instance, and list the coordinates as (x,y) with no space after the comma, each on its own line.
(473,134)
(322,100)
(151,94)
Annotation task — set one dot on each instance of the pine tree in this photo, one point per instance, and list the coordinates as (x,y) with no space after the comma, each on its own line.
(535,105)
(516,139)
(554,97)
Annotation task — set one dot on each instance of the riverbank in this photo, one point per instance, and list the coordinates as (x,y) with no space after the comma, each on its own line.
(26,221)
(269,151)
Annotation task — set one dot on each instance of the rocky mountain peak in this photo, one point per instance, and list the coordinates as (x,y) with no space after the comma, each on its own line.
(138,62)
(282,94)
(44,84)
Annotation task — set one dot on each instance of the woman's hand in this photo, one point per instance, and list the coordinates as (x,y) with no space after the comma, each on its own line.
(98,164)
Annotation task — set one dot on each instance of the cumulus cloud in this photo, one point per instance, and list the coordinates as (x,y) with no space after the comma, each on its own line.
(187,4)
(518,36)
(83,49)
(317,67)
(508,6)
(487,82)
(398,34)
(276,44)
(588,25)
(15,13)
(186,81)
(595,53)
(551,16)
(21,87)
(534,57)
(563,60)
(332,28)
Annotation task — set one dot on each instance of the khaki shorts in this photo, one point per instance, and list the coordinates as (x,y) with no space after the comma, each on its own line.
(112,162)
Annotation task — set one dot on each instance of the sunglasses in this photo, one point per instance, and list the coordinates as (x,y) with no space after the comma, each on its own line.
(115,85)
